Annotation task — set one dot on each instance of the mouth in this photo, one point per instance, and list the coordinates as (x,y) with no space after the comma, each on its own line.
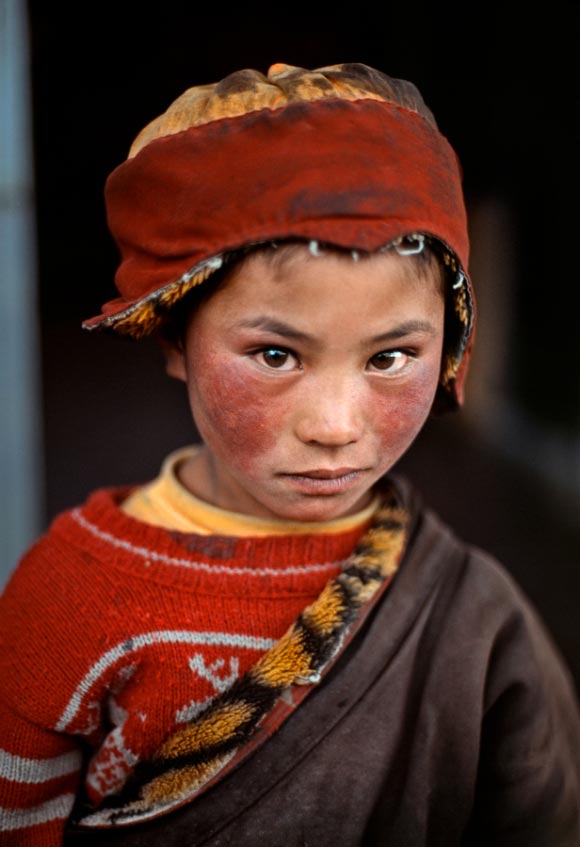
(327,473)
(325,481)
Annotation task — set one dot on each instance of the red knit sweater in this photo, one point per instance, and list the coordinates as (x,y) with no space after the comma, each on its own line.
(114,632)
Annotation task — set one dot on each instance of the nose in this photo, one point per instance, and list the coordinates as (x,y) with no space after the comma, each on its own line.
(331,414)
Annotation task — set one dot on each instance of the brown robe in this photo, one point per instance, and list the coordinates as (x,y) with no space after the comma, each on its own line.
(449,720)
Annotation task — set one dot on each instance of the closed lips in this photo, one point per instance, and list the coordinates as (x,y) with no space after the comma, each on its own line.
(325,474)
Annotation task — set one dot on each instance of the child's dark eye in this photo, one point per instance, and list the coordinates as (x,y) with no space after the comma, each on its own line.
(277,358)
(393,361)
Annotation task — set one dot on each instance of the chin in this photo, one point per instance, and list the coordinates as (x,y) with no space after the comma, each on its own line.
(319,510)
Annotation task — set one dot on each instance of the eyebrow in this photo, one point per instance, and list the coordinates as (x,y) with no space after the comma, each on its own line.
(280,328)
(406,328)
(277,327)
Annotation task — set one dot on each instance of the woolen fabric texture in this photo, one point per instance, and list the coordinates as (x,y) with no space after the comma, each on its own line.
(114,633)
(449,720)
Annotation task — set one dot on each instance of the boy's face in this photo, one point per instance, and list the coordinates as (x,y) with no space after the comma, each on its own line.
(308,378)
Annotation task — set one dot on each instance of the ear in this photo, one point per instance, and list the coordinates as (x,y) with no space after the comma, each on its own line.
(174,354)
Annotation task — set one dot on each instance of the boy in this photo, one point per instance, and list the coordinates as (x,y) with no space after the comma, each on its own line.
(273,642)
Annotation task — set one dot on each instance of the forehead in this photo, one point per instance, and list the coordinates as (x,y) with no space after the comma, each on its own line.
(280,257)
(324,287)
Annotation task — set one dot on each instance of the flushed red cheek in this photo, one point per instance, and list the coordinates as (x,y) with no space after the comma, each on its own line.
(233,415)
(399,415)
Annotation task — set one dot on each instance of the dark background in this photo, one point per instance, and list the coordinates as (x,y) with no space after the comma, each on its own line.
(504,89)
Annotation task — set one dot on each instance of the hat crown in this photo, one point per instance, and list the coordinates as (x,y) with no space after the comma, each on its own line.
(249,90)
